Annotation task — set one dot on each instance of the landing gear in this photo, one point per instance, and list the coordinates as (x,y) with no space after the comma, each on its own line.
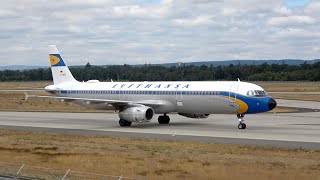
(124,123)
(164,119)
(241,124)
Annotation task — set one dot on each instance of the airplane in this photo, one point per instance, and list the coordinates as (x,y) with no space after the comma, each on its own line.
(139,101)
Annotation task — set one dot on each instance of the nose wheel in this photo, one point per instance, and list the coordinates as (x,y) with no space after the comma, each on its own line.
(241,124)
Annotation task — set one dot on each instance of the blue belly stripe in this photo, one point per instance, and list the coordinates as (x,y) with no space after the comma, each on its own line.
(255,104)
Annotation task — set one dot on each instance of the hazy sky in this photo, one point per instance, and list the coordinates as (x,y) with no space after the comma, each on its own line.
(158,31)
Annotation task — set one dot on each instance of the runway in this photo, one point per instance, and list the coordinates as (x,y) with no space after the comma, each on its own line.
(311,105)
(292,130)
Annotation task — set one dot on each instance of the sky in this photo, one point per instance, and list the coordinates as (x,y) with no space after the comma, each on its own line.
(108,32)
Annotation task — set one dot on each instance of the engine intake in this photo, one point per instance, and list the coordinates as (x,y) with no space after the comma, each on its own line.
(194,115)
(137,114)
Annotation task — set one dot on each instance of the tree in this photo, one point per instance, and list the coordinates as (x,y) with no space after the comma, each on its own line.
(88,65)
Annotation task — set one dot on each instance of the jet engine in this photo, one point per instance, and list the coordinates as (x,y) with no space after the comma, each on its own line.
(192,115)
(137,114)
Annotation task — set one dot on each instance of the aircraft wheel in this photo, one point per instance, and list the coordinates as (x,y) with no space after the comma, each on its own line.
(124,123)
(164,119)
(161,119)
(242,126)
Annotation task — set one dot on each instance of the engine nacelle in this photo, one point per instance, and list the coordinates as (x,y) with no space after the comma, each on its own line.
(137,114)
(193,115)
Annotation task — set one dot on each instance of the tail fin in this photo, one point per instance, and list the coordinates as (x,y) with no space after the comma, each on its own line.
(60,71)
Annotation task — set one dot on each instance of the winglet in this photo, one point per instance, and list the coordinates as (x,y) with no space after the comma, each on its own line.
(26,96)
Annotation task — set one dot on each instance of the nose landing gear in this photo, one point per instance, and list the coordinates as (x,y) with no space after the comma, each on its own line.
(241,124)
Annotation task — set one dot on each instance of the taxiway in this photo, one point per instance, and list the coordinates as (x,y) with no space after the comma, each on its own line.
(292,130)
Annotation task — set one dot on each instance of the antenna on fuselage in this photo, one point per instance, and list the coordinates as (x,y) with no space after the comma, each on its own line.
(238,79)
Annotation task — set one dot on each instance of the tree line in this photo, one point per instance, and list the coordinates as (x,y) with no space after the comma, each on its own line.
(263,72)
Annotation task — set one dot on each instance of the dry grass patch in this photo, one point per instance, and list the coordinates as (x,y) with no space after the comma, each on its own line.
(24,85)
(155,159)
(291,87)
(14,101)
(303,97)
(284,110)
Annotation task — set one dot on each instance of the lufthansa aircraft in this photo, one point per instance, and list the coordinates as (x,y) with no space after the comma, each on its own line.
(140,101)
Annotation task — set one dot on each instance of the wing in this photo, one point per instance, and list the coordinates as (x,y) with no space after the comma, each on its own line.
(118,104)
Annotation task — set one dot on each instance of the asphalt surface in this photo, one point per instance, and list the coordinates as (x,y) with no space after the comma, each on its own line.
(290,130)
(312,105)
(306,92)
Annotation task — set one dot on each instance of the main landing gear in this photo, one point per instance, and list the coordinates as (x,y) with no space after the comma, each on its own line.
(164,119)
(241,124)
(123,123)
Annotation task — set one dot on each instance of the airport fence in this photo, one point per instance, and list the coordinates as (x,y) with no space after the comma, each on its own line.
(26,172)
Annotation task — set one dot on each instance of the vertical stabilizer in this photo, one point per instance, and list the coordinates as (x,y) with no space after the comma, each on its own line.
(60,71)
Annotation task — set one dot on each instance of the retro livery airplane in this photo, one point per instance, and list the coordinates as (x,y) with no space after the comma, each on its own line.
(140,101)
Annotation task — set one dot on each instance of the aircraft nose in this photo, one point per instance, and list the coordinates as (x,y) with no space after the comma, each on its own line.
(272,103)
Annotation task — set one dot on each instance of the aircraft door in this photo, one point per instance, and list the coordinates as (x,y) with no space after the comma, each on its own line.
(233,93)
(179,96)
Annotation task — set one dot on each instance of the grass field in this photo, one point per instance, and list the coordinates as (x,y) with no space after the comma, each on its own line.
(145,158)
(296,87)
(303,97)
(24,85)
(14,101)
(291,87)
(155,159)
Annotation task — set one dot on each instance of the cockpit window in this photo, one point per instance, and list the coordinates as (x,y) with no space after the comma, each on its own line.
(256,93)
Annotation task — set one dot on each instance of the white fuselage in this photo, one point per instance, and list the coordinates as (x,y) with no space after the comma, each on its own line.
(138,101)
(208,97)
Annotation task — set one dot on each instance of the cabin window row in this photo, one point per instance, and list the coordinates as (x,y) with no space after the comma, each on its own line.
(145,92)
